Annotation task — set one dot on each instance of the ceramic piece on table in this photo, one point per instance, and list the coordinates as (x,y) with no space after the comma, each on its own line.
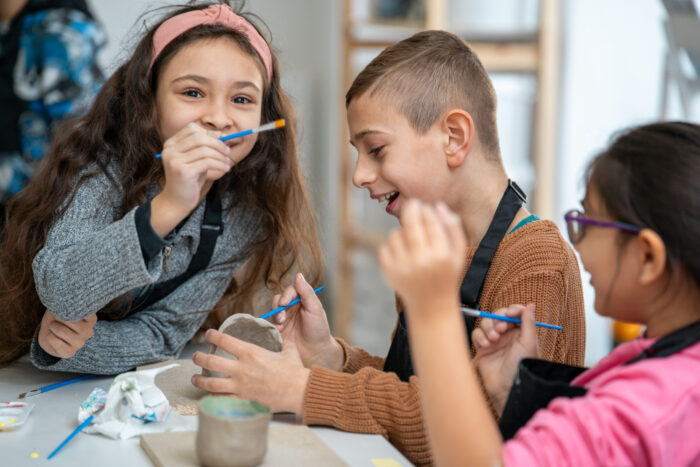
(232,432)
(250,329)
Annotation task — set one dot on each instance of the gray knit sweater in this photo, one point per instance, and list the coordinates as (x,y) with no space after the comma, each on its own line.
(92,257)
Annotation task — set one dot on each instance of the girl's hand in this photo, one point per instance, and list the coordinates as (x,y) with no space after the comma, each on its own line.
(306,326)
(499,348)
(275,379)
(424,260)
(63,339)
(193,158)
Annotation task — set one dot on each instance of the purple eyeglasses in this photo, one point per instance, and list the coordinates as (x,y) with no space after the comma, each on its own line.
(576,224)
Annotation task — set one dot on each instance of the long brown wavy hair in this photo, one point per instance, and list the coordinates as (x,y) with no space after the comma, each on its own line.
(122,127)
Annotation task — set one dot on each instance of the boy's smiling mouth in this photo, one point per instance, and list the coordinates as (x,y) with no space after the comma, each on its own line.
(389,197)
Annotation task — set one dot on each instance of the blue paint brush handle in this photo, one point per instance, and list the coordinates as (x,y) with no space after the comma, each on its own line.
(65,383)
(284,307)
(36,391)
(227,137)
(486,314)
(266,127)
(237,135)
(72,435)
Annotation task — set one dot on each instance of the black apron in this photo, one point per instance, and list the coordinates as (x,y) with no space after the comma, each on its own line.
(538,382)
(398,360)
(209,232)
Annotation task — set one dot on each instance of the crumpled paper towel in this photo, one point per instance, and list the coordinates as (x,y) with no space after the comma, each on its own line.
(134,405)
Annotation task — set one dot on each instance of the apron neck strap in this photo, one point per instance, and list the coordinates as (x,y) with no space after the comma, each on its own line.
(473,283)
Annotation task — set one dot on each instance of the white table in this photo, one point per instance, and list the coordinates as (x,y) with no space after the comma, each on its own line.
(55,415)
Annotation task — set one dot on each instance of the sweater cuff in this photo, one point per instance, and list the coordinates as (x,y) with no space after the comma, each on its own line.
(355,358)
(40,358)
(151,243)
(326,400)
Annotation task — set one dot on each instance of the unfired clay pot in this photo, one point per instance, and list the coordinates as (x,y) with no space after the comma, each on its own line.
(232,432)
(250,329)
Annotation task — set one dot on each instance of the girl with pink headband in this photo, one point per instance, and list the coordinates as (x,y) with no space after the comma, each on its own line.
(113,258)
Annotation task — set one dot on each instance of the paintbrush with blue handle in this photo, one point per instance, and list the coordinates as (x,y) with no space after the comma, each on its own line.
(486,314)
(284,307)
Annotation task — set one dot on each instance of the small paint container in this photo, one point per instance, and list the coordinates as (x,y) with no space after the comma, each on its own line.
(14,414)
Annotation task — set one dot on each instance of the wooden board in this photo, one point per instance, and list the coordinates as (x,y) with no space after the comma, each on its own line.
(286,445)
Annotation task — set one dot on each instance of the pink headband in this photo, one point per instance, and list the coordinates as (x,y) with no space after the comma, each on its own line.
(215,14)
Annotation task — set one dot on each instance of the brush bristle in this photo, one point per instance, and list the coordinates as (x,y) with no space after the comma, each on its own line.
(279,123)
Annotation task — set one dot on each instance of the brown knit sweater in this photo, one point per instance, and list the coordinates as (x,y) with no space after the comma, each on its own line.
(531,265)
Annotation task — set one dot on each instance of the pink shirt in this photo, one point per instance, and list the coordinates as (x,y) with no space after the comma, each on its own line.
(647,413)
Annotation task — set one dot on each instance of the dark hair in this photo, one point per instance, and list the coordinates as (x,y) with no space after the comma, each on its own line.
(427,74)
(122,126)
(650,177)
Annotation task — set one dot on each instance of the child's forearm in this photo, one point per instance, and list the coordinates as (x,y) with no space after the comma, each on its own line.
(460,426)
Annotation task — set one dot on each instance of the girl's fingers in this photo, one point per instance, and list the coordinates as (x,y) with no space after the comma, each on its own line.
(62,330)
(515,310)
(82,327)
(279,318)
(61,348)
(434,230)
(396,244)
(306,292)
(479,339)
(453,225)
(62,336)
(205,166)
(276,300)
(200,153)
(529,333)
(198,138)
(486,325)
(412,225)
(70,327)
(386,260)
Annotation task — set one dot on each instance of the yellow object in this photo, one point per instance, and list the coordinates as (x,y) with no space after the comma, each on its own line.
(385,462)
(34,455)
(623,332)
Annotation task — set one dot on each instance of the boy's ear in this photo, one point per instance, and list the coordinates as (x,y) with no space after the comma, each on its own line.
(458,126)
(653,256)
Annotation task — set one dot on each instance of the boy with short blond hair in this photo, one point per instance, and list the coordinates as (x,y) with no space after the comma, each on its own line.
(422,116)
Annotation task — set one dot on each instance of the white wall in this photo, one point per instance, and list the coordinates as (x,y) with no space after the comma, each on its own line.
(612,70)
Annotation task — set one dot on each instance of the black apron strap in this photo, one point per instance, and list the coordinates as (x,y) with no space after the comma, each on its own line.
(535,385)
(398,360)
(671,343)
(473,282)
(538,382)
(209,232)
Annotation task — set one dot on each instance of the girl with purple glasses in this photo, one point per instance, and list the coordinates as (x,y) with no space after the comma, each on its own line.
(637,236)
